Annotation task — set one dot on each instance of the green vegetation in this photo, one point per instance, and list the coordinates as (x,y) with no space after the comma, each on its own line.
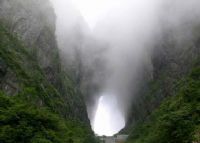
(21,122)
(177,120)
(32,110)
(29,78)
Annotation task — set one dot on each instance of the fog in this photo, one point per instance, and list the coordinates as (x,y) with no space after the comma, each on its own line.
(114,40)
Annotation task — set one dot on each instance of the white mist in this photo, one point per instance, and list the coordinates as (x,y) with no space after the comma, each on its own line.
(108,120)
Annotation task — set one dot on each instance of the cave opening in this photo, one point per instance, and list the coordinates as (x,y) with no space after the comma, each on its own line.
(108,119)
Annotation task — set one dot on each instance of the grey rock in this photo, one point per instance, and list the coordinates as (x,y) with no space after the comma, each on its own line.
(3,69)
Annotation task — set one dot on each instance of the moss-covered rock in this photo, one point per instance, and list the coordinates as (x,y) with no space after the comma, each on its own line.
(33,109)
(24,122)
(177,119)
(40,103)
(30,59)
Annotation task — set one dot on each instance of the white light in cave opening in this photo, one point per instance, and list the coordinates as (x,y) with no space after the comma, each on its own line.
(108,119)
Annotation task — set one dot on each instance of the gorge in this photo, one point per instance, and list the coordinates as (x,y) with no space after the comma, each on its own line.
(74,70)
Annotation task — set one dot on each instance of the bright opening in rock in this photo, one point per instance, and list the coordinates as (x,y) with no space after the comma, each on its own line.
(108,119)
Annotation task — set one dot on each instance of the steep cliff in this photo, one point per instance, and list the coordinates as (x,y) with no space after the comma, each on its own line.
(32,79)
(34,23)
(166,108)
(176,120)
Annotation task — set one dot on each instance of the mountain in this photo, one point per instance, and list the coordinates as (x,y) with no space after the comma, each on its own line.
(44,89)
(40,102)
(166,108)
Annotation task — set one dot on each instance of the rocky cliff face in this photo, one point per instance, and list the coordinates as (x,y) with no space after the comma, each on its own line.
(33,22)
(172,59)
(174,56)
(39,101)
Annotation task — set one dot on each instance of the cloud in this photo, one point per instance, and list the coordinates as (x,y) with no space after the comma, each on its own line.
(127,29)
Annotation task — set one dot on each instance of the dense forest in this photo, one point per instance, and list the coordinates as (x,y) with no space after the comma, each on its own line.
(38,101)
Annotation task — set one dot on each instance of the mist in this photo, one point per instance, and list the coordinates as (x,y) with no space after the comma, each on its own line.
(107,45)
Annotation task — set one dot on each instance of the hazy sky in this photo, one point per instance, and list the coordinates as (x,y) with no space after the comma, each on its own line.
(94,10)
